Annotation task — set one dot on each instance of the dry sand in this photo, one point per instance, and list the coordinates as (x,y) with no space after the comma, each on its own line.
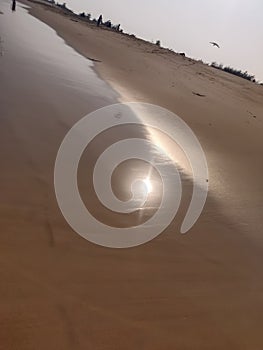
(200,291)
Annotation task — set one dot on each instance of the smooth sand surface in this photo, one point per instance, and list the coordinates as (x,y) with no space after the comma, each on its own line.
(58,291)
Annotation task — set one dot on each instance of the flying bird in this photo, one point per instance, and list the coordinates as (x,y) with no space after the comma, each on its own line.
(214,44)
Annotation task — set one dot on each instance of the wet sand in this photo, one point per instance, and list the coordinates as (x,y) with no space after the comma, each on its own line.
(58,291)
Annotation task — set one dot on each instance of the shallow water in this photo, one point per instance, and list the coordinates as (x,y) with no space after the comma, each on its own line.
(32,51)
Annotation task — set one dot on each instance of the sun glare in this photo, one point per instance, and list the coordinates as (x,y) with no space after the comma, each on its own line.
(148,185)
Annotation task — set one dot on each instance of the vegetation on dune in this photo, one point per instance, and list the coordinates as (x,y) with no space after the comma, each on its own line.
(238,72)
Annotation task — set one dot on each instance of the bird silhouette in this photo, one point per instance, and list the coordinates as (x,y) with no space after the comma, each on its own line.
(214,44)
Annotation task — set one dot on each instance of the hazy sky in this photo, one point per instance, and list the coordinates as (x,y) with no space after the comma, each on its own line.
(188,26)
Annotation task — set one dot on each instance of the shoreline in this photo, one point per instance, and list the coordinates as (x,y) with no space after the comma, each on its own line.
(194,291)
(208,100)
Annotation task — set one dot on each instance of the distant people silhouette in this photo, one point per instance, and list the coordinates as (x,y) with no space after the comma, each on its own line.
(14,5)
(108,24)
(99,21)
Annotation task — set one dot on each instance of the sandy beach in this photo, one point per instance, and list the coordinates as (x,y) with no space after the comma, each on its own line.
(197,291)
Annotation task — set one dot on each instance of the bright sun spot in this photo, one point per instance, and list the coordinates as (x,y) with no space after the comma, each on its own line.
(148,185)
